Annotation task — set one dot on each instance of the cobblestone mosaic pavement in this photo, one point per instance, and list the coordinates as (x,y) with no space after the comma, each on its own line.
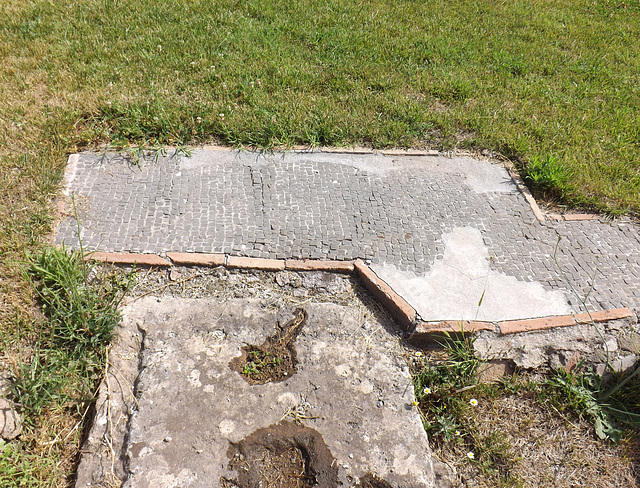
(385,209)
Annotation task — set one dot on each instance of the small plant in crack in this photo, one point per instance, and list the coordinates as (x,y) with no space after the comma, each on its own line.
(275,359)
(546,173)
(259,360)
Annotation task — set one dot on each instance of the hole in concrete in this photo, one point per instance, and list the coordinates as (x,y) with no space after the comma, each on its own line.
(283,455)
(370,480)
(275,360)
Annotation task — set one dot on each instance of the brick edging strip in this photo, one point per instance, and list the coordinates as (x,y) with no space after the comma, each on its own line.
(578,217)
(427,331)
(127,258)
(313,265)
(545,323)
(197,259)
(397,306)
(394,303)
(526,194)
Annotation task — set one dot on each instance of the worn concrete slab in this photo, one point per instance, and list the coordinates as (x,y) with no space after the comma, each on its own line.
(463,286)
(352,386)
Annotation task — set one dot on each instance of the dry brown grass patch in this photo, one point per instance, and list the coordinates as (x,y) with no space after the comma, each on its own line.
(547,449)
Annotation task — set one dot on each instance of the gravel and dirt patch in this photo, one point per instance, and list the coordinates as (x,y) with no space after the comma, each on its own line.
(275,359)
(541,448)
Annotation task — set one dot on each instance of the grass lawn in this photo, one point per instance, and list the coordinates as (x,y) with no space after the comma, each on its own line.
(552,85)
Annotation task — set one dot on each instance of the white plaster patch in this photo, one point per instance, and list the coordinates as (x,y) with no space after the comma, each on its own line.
(462,286)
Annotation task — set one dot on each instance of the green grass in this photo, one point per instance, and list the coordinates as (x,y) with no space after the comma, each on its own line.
(552,85)
(56,380)
(532,80)
(446,393)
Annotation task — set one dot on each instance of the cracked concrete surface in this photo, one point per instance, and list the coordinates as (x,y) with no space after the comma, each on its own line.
(352,385)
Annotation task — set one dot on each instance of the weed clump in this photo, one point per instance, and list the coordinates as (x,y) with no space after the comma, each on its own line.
(80,303)
(440,388)
(547,174)
(609,403)
(447,393)
(487,430)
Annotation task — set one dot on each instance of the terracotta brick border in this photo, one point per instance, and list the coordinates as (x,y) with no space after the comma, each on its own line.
(197,259)
(544,323)
(426,332)
(394,303)
(397,306)
(255,263)
(604,315)
(579,217)
(312,265)
(127,258)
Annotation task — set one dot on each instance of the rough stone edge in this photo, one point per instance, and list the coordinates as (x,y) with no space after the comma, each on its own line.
(526,194)
(70,172)
(60,211)
(397,306)
(102,462)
